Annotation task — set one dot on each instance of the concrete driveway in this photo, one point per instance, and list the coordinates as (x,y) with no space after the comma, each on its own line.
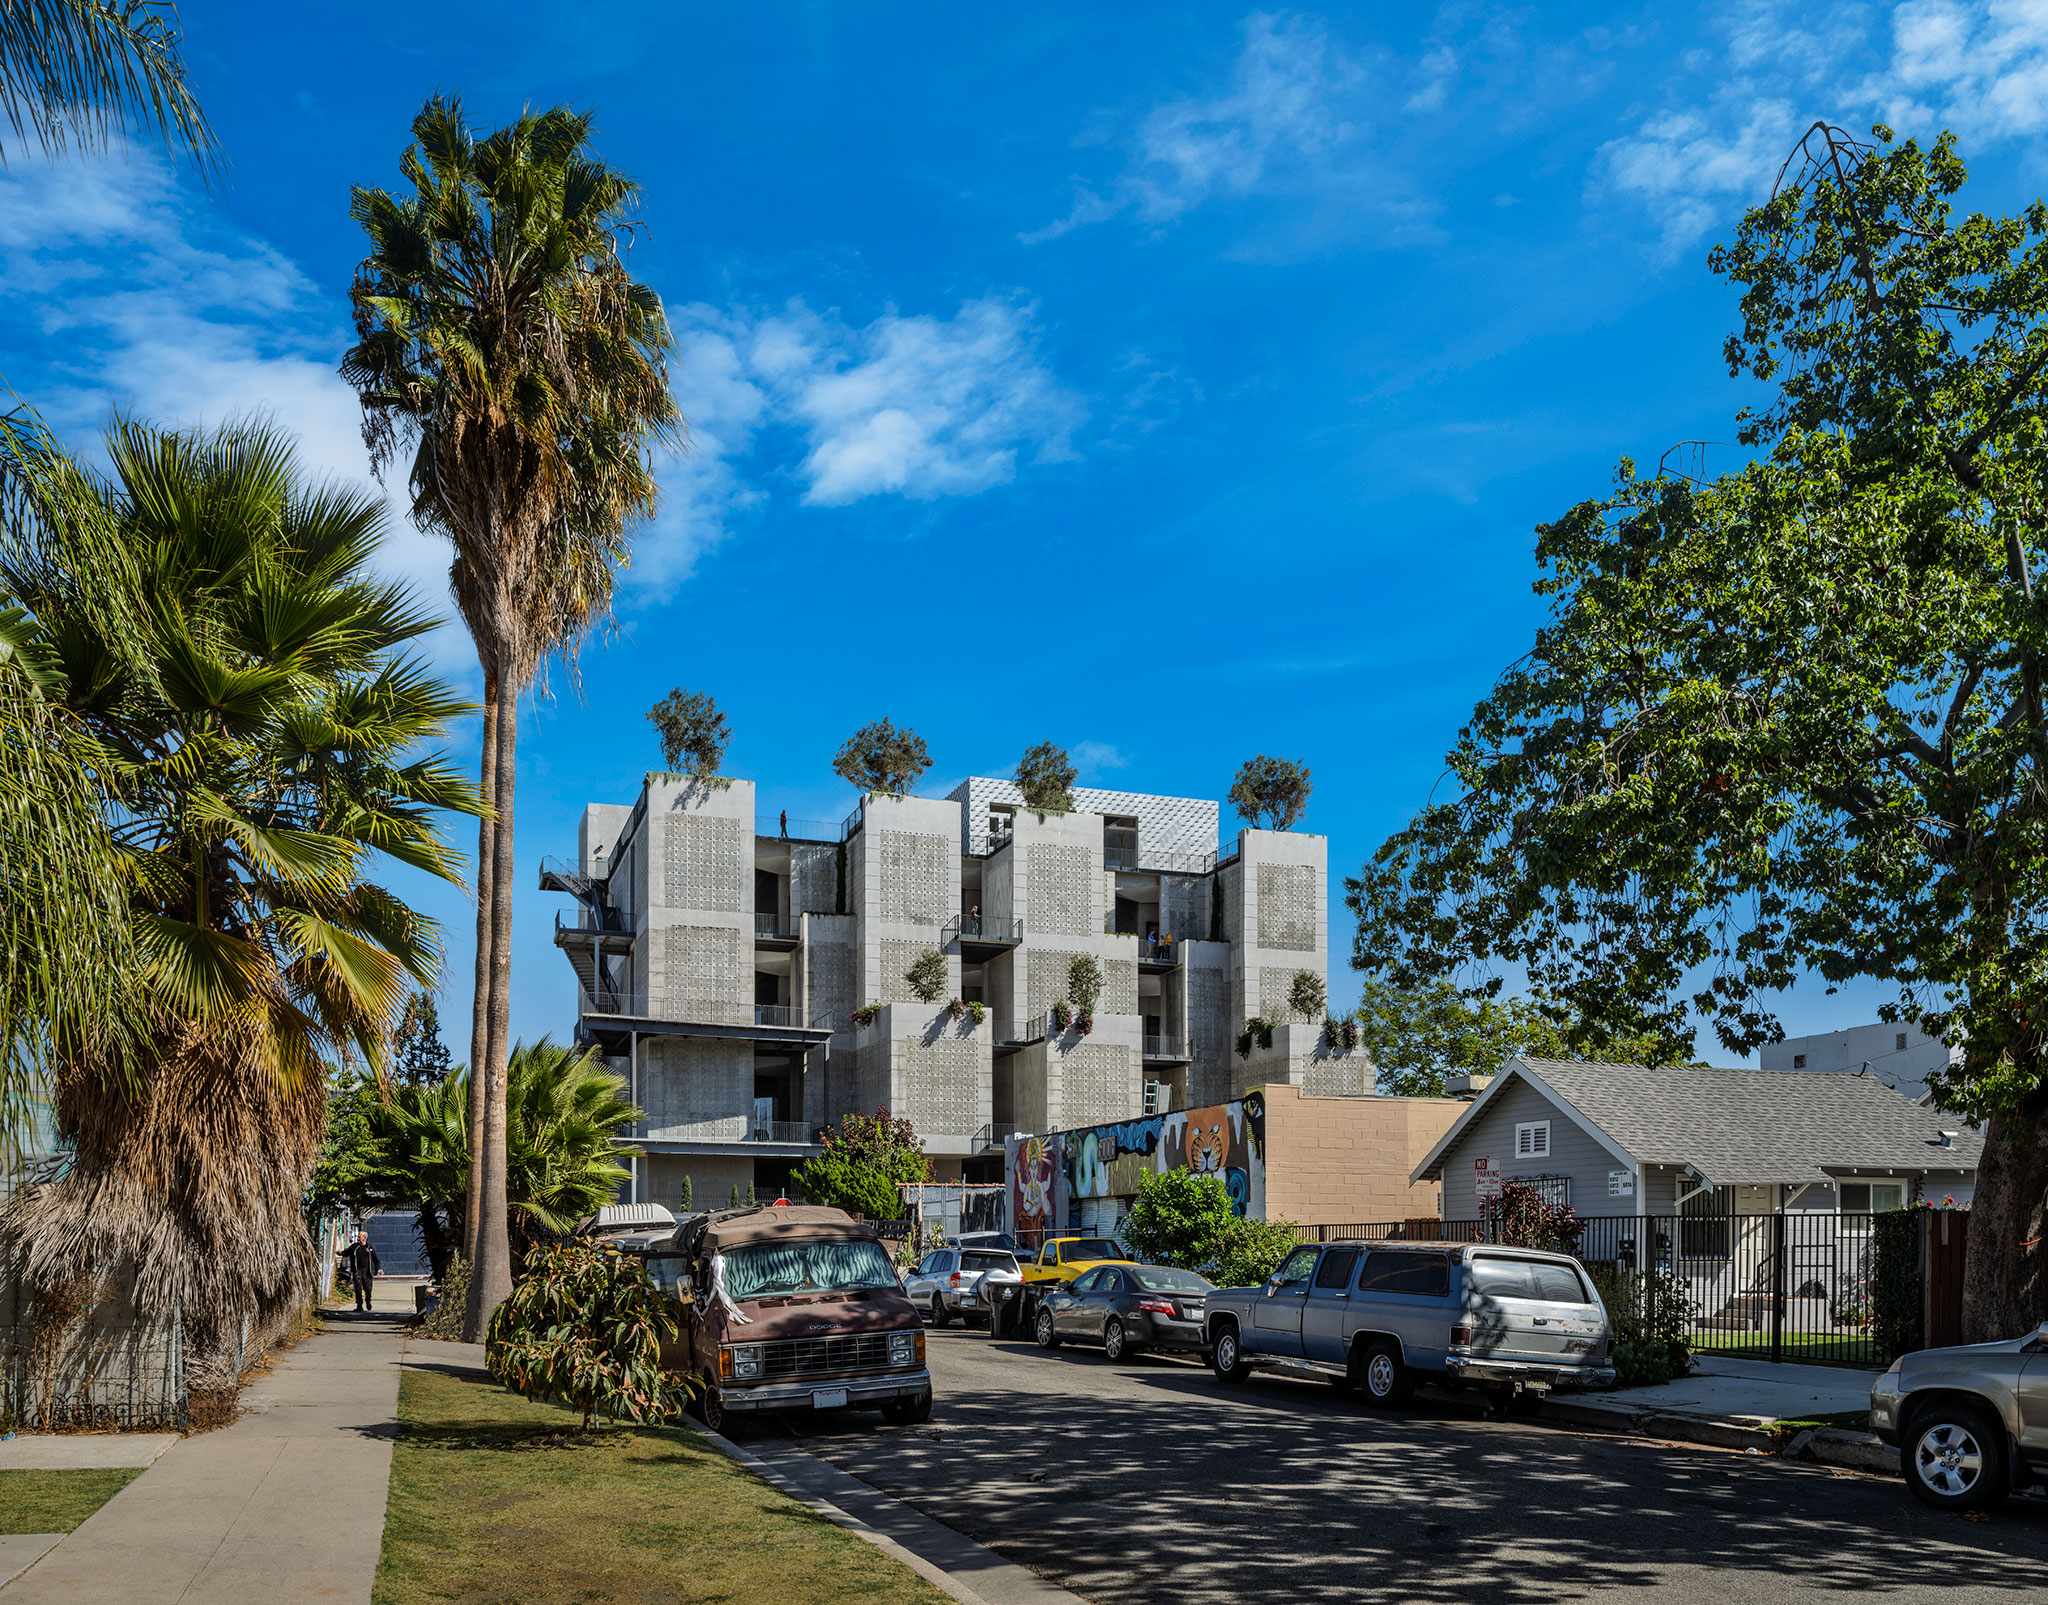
(1150,1481)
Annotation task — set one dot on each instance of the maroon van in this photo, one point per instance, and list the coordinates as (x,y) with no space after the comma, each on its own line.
(793,1307)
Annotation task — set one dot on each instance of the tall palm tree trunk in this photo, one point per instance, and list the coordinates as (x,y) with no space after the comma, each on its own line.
(491,1281)
(486,932)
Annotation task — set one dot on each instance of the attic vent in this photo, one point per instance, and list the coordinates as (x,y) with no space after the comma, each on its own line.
(1532,1140)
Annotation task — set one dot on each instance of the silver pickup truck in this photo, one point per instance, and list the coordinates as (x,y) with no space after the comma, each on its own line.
(1382,1316)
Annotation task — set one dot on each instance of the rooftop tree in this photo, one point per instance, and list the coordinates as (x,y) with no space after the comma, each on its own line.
(880,757)
(1271,793)
(1045,774)
(1788,721)
(694,734)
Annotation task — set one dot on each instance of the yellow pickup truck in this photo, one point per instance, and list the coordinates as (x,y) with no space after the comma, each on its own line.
(1064,1258)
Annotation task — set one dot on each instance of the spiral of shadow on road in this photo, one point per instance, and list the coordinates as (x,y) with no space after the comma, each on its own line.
(1151,1481)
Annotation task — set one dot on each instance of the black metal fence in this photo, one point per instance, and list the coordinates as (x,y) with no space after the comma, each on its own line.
(1813,1285)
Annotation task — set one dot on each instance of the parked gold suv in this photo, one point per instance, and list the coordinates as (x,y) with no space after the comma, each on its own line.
(1970,1423)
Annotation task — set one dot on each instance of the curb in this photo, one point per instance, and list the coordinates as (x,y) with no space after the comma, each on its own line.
(1024,1584)
(1833,1446)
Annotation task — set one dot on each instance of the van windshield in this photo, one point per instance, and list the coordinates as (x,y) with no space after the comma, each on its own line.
(768,1269)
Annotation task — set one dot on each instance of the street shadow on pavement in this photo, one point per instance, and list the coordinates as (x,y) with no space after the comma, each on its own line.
(1151,1480)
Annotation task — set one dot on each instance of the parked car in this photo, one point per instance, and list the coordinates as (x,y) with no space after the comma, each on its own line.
(1383,1316)
(1966,1419)
(1063,1259)
(942,1282)
(792,1307)
(1002,1240)
(1127,1308)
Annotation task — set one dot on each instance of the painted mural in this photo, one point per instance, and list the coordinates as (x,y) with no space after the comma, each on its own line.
(1052,1177)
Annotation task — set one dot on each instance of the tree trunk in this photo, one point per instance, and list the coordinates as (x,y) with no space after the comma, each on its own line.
(491,1281)
(434,1239)
(486,929)
(2004,1294)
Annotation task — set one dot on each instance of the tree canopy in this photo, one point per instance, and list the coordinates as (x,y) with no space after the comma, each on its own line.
(694,734)
(1420,1036)
(880,757)
(1046,775)
(1788,719)
(1271,793)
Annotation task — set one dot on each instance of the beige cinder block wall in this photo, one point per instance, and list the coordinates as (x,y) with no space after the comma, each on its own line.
(1346,1161)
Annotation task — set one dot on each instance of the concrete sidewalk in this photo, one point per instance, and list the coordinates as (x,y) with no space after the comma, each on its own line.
(1729,1402)
(286,1504)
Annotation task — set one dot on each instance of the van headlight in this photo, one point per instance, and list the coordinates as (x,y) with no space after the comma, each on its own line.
(746,1359)
(903,1347)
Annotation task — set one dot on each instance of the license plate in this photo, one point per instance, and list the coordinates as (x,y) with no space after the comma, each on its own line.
(828,1398)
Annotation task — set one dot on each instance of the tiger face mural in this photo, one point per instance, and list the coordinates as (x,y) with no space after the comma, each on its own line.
(1208,1140)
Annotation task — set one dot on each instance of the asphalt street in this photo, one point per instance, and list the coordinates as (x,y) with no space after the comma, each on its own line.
(1151,1481)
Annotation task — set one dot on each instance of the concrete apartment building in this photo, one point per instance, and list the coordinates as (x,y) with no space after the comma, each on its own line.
(720,962)
(1901,1056)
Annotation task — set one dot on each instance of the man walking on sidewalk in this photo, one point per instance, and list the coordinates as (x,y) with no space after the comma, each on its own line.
(359,1265)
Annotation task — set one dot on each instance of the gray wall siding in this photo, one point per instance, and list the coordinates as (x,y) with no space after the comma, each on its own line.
(1573,1153)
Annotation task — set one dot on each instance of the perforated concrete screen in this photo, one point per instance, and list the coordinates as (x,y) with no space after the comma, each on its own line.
(1180,825)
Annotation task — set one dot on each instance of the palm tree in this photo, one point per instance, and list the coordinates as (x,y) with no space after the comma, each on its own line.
(500,337)
(78,71)
(255,728)
(564,1113)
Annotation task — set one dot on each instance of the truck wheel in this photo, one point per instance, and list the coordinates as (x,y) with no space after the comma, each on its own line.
(908,1412)
(1226,1360)
(711,1408)
(1047,1337)
(1384,1380)
(1955,1458)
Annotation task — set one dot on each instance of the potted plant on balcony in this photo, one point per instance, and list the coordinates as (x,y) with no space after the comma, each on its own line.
(866,1015)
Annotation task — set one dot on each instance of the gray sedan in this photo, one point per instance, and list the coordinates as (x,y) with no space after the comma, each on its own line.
(1126,1308)
(1968,1420)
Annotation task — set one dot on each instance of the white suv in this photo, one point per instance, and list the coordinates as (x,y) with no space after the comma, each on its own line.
(942,1285)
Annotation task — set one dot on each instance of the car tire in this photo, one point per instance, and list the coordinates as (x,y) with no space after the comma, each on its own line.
(939,1316)
(1043,1332)
(1226,1358)
(711,1410)
(1115,1341)
(1383,1379)
(909,1412)
(1955,1457)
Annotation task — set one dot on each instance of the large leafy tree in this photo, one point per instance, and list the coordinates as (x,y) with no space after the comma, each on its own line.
(217,636)
(1419,1036)
(1790,719)
(501,340)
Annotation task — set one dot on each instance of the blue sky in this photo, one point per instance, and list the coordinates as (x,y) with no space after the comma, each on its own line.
(1177,382)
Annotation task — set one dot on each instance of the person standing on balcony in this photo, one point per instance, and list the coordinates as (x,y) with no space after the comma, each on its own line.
(785,824)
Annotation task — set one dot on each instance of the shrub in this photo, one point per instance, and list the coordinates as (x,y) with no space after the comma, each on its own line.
(1650,1313)
(1306,996)
(1178,1218)
(1251,1251)
(1894,1294)
(1255,1029)
(451,1299)
(1522,1218)
(927,976)
(841,1181)
(584,1325)
(1084,981)
(866,1014)
(1271,792)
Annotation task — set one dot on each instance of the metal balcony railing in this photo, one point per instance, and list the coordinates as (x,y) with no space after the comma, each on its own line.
(598,921)
(990,1137)
(777,927)
(700,1011)
(780,1131)
(1163,1047)
(982,928)
(776,828)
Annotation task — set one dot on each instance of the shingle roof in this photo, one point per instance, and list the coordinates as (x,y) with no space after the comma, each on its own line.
(1754,1127)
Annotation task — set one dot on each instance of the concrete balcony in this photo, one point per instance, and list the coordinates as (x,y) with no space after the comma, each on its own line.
(778,933)
(1166,1050)
(732,1134)
(613,1018)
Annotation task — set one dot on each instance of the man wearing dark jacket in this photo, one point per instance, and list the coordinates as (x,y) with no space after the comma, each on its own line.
(359,1265)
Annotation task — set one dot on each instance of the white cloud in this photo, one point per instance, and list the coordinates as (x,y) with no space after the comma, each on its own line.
(1290,105)
(1093,757)
(124,294)
(1980,69)
(1690,170)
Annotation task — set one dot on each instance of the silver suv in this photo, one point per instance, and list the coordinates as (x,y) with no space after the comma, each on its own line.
(1383,1316)
(1968,1422)
(942,1282)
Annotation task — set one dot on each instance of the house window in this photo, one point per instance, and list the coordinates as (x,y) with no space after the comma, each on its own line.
(1532,1140)
(1899,1041)
(1706,1224)
(1861,1200)
(1798,1061)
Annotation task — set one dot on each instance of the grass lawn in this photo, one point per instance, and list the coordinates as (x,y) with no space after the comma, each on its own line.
(1857,1420)
(57,1501)
(485,1512)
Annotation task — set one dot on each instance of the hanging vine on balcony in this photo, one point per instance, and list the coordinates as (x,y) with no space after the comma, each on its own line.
(1255,1029)
(866,1015)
